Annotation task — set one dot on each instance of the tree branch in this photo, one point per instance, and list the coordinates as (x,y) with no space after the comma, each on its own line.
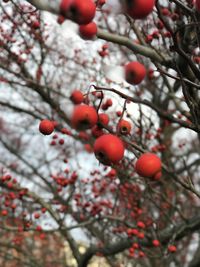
(136,48)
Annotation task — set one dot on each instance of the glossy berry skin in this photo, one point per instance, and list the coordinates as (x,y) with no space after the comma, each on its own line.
(77,97)
(156,243)
(60,19)
(134,72)
(81,12)
(35,24)
(148,165)
(103,118)
(124,127)
(88,31)
(139,9)
(109,149)
(97,131)
(84,117)
(65,6)
(46,127)
(172,248)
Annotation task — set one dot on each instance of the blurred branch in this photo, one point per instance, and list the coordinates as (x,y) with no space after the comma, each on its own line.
(162,113)
(46,5)
(179,231)
(136,48)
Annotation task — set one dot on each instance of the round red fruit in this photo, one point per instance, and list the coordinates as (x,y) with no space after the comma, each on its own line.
(88,31)
(139,9)
(124,127)
(65,6)
(81,12)
(35,24)
(77,97)
(134,72)
(103,118)
(172,248)
(148,165)
(84,117)
(46,127)
(109,149)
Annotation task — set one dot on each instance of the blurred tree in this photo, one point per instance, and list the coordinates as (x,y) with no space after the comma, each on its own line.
(52,185)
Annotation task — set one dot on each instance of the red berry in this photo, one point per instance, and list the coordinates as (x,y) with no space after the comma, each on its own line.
(139,9)
(36,215)
(141,254)
(101,2)
(148,165)
(140,235)
(156,243)
(77,97)
(35,24)
(140,224)
(84,117)
(134,72)
(4,212)
(124,127)
(61,141)
(88,31)
(135,246)
(46,127)
(97,131)
(157,176)
(109,149)
(81,12)
(109,102)
(60,19)
(65,6)
(172,248)
(39,228)
(103,118)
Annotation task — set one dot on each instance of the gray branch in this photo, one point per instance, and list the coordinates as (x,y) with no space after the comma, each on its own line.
(46,5)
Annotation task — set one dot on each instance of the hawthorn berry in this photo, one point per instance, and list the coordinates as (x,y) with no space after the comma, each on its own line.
(88,31)
(141,254)
(103,118)
(101,2)
(156,243)
(148,165)
(35,24)
(36,215)
(140,224)
(157,176)
(4,212)
(139,9)
(84,117)
(46,127)
(172,248)
(79,11)
(109,149)
(134,72)
(60,19)
(123,127)
(77,97)
(97,131)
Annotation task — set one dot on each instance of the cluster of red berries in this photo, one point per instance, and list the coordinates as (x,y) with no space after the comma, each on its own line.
(139,9)
(81,12)
(108,148)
